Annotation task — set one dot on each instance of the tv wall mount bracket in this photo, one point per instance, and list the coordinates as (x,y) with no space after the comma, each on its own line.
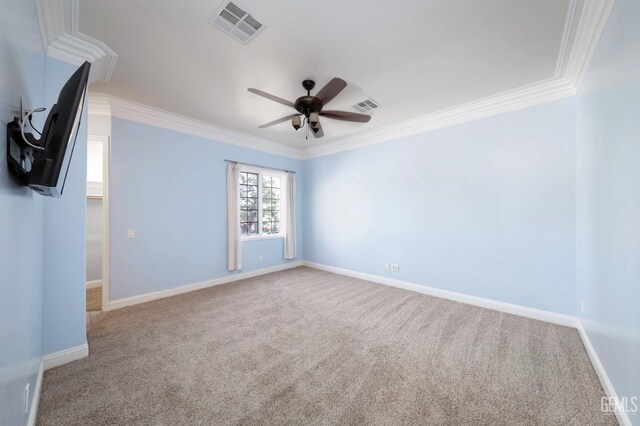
(22,148)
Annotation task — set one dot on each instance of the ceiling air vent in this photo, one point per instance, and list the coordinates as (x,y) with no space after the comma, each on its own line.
(366,105)
(235,21)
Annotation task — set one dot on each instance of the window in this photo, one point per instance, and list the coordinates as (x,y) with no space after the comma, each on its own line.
(248,203)
(260,203)
(270,204)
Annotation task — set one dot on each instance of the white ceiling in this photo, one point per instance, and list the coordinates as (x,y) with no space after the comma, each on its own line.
(413,56)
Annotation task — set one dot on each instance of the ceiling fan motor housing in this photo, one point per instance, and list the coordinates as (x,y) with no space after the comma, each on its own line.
(308,104)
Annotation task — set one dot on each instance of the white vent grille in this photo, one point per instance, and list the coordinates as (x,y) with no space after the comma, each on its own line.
(235,21)
(366,105)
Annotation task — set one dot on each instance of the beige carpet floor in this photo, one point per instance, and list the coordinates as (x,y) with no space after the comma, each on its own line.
(309,347)
(94,299)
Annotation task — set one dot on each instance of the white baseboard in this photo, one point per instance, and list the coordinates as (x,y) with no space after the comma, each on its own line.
(64,356)
(50,361)
(509,308)
(148,297)
(94,284)
(523,311)
(78,352)
(622,417)
(35,398)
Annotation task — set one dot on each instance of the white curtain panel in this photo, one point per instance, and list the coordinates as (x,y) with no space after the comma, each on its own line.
(290,217)
(234,245)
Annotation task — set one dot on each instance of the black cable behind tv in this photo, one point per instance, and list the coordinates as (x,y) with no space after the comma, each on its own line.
(43,164)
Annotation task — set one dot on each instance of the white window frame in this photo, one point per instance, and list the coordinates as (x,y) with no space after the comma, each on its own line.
(269,172)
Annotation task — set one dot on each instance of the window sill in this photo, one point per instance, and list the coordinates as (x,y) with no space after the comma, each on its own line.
(262,237)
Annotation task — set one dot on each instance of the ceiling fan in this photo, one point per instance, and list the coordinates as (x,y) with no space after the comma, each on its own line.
(310,107)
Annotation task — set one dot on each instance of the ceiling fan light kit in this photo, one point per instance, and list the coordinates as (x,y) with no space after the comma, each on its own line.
(310,107)
(296,122)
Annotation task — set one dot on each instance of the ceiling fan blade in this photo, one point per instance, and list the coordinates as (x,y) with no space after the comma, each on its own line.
(278,121)
(319,133)
(346,116)
(331,90)
(271,97)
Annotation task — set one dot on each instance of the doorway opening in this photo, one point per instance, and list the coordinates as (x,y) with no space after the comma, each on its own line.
(96,289)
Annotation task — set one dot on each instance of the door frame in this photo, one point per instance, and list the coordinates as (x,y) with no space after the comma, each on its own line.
(106,151)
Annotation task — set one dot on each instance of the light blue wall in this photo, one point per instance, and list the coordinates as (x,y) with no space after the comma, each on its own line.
(40,309)
(22,69)
(485,208)
(608,199)
(171,188)
(490,208)
(64,243)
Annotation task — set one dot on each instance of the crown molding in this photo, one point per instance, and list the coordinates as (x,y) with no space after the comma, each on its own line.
(59,29)
(133,111)
(537,93)
(568,36)
(98,105)
(584,24)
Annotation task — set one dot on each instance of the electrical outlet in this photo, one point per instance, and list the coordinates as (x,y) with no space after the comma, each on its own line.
(131,233)
(395,267)
(260,258)
(582,306)
(386,266)
(26,398)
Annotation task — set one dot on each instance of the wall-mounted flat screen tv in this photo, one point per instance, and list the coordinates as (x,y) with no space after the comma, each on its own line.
(43,164)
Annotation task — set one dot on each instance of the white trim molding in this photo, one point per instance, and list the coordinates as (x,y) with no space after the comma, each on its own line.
(584,24)
(65,356)
(155,295)
(609,390)
(509,308)
(152,116)
(106,203)
(35,398)
(62,39)
(99,105)
(537,314)
(94,284)
(530,95)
